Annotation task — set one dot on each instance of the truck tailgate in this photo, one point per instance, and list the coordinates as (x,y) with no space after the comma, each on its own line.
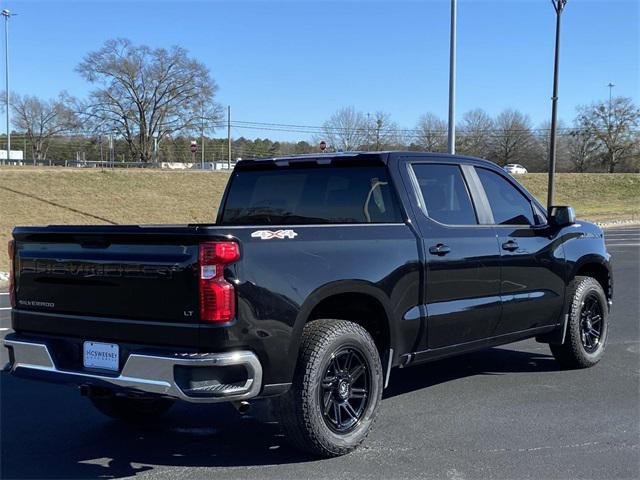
(124,272)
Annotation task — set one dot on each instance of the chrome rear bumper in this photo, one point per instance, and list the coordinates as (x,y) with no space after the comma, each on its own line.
(153,374)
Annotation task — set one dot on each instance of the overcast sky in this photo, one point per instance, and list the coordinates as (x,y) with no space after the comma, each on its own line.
(297,62)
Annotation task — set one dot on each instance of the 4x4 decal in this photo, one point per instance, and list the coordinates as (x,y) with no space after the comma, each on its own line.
(269,234)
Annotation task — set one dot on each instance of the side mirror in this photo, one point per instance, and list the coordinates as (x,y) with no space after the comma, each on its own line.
(562,216)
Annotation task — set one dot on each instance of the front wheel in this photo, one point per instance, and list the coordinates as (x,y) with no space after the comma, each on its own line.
(587,326)
(337,387)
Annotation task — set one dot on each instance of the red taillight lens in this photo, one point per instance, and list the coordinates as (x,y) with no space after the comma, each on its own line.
(12,278)
(217,296)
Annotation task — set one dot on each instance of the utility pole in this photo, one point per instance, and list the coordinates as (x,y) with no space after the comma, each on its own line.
(6,14)
(101,152)
(368,131)
(202,140)
(452,79)
(229,136)
(155,149)
(112,154)
(613,152)
(558,5)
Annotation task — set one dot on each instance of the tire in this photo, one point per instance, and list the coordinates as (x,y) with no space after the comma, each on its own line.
(338,372)
(132,409)
(588,314)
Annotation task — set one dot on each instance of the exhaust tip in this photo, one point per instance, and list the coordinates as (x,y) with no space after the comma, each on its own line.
(243,407)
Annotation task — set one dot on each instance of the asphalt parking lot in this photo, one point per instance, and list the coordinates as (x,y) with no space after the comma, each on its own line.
(508,412)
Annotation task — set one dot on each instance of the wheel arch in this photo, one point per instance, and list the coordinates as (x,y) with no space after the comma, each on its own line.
(598,268)
(355,300)
(591,265)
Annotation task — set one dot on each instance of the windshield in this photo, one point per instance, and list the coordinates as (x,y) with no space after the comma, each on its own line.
(311,195)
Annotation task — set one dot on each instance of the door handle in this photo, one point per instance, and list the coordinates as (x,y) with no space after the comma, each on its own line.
(439,249)
(511,245)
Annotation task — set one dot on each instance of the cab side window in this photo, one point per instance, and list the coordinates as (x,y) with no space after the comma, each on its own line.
(445,194)
(508,204)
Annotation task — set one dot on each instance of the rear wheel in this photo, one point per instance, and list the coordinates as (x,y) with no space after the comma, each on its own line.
(132,409)
(337,387)
(587,326)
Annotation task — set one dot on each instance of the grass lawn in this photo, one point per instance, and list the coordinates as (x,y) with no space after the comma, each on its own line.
(47,196)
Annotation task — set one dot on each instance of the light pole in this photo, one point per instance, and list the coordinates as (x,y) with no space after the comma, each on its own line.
(610,85)
(6,14)
(558,5)
(452,79)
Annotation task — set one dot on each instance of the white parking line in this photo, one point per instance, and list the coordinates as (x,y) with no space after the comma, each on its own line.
(4,293)
(5,308)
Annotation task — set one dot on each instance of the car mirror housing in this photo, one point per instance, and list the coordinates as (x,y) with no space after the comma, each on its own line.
(562,216)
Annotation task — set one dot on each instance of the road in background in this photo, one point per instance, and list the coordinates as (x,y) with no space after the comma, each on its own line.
(507,412)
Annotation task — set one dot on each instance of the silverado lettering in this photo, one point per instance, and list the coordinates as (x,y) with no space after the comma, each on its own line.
(94,270)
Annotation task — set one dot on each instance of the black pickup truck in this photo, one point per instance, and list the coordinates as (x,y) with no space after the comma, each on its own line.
(320,275)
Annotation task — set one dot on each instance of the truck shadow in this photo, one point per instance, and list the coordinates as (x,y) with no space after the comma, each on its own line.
(492,361)
(49,431)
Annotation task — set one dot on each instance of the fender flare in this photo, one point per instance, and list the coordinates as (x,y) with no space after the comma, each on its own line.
(336,288)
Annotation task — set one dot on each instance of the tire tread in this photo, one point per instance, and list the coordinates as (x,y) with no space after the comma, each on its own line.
(571,353)
(299,424)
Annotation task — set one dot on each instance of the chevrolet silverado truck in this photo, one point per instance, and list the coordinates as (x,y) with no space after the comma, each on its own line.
(321,274)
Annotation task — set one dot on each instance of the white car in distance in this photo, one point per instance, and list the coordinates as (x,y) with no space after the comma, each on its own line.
(515,169)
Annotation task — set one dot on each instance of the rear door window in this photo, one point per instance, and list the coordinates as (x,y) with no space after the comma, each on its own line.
(445,194)
(311,195)
(508,205)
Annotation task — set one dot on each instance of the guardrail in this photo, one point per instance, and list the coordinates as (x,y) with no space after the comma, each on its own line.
(210,166)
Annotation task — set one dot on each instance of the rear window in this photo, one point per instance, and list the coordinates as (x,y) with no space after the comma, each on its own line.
(311,195)
(445,194)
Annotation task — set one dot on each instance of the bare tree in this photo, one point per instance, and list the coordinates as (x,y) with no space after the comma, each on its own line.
(538,156)
(512,140)
(145,93)
(346,129)
(583,149)
(382,132)
(474,134)
(41,120)
(431,133)
(614,127)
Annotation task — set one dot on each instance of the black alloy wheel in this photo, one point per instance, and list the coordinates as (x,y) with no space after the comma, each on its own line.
(587,327)
(591,323)
(344,392)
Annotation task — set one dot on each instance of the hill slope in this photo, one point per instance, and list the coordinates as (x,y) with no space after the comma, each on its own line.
(45,196)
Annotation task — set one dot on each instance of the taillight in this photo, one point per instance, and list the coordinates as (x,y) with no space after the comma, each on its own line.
(12,277)
(217,296)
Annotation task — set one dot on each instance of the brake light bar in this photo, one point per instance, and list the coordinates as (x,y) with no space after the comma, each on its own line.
(12,278)
(217,296)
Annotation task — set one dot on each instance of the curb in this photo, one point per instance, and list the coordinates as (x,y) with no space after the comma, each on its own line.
(618,223)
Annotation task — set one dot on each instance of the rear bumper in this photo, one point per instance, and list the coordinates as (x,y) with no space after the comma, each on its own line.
(193,377)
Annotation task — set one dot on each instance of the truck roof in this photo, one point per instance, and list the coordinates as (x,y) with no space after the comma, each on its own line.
(383,156)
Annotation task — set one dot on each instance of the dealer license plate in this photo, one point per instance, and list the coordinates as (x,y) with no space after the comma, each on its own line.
(101,355)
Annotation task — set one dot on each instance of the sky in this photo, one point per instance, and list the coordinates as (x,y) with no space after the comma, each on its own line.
(296,62)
